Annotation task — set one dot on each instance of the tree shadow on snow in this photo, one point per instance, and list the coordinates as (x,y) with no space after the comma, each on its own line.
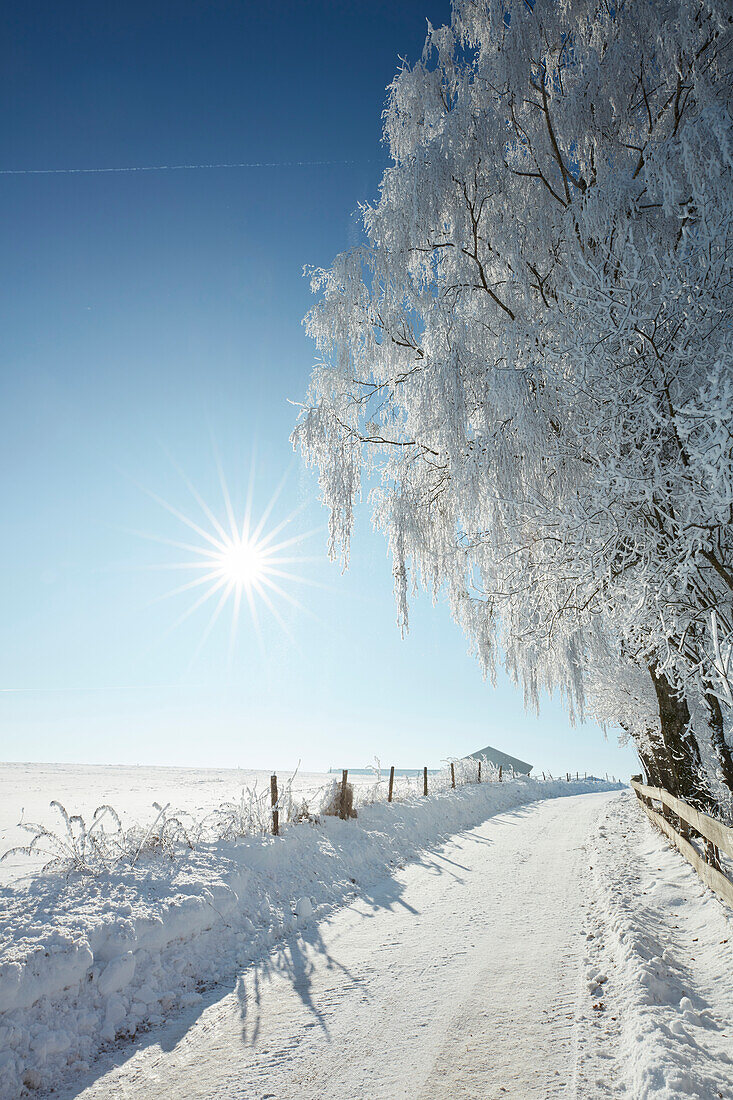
(298,957)
(295,959)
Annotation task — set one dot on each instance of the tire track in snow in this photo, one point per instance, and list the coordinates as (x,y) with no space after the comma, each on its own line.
(526,992)
(455,977)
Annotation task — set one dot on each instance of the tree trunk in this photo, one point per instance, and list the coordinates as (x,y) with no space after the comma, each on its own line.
(681,746)
(655,759)
(722,751)
(657,763)
(656,774)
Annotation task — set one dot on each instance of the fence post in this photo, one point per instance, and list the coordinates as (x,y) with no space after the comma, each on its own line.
(479,771)
(391,783)
(273,800)
(452,776)
(342,808)
(425,781)
(500,773)
(568,776)
(543,775)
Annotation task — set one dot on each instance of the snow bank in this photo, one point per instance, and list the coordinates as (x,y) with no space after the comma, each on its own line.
(196,794)
(659,966)
(88,962)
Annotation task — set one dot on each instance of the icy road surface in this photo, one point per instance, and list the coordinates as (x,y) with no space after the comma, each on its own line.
(455,977)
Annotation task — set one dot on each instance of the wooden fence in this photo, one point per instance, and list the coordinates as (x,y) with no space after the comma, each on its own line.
(682,823)
(344,812)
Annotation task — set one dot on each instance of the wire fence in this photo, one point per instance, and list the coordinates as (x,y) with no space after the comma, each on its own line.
(102,842)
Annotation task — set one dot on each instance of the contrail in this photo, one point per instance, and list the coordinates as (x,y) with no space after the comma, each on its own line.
(176,167)
(90,690)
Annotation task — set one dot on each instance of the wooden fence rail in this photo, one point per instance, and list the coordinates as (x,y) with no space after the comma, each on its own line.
(676,826)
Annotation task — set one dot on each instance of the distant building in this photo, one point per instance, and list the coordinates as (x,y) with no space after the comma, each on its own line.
(501,759)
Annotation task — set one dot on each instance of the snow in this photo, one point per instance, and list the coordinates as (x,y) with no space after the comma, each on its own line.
(26,791)
(304,908)
(504,940)
(88,961)
(658,966)
(443,979)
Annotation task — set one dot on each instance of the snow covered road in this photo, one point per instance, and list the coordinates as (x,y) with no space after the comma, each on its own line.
(457,976)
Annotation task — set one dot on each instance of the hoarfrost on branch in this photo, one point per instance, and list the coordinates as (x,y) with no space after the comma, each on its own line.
(530,357)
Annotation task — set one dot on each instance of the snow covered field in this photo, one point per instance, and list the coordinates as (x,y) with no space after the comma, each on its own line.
(491,941)
(26,790)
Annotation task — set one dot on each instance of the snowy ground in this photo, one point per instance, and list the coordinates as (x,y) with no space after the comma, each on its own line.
(475,944)
(26,791)
(449,979)
(658,969)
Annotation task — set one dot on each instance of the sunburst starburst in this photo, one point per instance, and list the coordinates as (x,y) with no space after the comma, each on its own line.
(236,559)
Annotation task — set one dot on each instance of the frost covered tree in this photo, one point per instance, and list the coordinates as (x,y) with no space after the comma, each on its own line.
(531,358)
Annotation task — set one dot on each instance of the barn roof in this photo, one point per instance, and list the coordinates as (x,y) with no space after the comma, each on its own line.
(495,756)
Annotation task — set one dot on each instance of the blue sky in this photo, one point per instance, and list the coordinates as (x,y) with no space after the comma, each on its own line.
(152,324)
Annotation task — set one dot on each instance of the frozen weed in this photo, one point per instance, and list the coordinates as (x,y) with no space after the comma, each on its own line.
(91,849)
(339,802)
(166,836)
(249,815)
(76,846)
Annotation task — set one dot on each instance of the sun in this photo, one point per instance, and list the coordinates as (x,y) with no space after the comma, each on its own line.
(242,562)
(236,560)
